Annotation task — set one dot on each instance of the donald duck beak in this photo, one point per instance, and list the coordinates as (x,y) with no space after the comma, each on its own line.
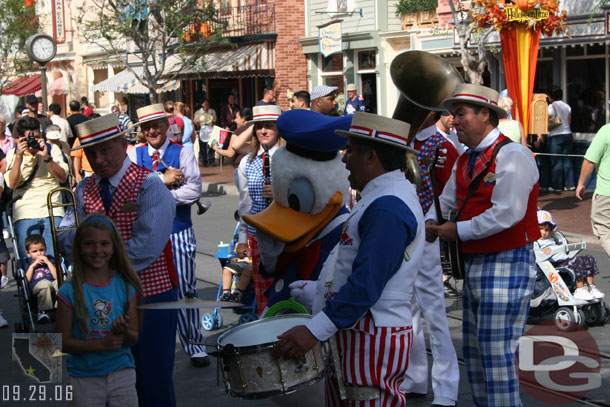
(292,227)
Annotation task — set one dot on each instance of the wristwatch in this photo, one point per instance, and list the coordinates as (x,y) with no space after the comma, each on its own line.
(48,159)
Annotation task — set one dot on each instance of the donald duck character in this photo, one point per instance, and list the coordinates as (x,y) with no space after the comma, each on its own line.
(310,187)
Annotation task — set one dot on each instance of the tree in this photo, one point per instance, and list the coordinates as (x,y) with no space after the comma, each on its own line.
(17,23)
(154,32)
(474,60)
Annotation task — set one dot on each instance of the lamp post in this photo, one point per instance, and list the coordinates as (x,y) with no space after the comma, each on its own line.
(41,48)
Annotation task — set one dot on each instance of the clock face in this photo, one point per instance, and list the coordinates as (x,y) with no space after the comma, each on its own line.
(43,48)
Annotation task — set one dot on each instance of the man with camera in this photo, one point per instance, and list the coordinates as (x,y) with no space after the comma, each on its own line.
(33,169)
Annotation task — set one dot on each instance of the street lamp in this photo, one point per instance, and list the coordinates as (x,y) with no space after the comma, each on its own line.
(41,48)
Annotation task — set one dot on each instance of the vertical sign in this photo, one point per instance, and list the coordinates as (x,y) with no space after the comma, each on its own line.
(329,37)
(59,20)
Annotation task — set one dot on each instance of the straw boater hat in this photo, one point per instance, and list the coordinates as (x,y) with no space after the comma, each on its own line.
(382,129)
(151,112)
(475,95)
(98,130)
(351,87)
(265,113)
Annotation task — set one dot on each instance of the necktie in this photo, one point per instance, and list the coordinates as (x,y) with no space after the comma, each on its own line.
(105,194)
(155,159)
(473,161)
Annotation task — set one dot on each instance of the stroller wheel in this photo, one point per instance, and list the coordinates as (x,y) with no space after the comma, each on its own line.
(565,319)
(249,317)
(207,321)
(592,314)
(218,321)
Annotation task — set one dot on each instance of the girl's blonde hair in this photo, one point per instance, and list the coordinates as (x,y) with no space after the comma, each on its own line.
(119,263)
(180,107)
(255,145)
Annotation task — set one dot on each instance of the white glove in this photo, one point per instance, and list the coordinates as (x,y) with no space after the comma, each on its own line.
(304,291)
(270,250)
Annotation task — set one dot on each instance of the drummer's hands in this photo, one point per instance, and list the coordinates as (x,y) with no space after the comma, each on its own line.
(304,291)
(294,343)
(242,250)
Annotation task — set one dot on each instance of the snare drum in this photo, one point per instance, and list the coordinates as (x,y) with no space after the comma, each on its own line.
(249,370)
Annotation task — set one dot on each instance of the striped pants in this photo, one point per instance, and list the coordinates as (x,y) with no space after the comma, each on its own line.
(373,357)
(497,292)
(261,284)
(184,244)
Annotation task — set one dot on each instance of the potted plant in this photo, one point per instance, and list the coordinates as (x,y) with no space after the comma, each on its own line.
(415,12)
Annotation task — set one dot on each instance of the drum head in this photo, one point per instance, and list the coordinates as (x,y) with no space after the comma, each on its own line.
(262,331)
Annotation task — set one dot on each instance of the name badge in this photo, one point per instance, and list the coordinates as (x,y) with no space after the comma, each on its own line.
(129,207)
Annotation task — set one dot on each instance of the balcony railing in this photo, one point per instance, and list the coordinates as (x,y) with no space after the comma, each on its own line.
(239,21)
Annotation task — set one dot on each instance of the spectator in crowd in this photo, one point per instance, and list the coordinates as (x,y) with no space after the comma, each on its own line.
(75,118)
(176,124)
(124,118)
(354,103)
(597,158)
(513,129)
(560,143)
(237,145)
(268,98)
(205,118)
(31,104)
(6,141)
(18,115)
(187,137)
(80,163)
(323,100)
(228,112)
(64,125)
(87,110)
(40,109)
(301,100)
(33,169)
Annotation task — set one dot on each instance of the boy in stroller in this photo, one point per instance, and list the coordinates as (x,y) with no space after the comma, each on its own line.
(583,266)
(41,276)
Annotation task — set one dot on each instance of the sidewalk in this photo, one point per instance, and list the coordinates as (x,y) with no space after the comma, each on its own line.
(571,214)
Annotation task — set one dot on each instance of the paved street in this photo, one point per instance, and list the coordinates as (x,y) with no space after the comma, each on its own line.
(200,387)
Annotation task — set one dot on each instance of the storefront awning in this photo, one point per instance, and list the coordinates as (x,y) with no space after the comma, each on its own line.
(229,62)
(126,82)
(23,86)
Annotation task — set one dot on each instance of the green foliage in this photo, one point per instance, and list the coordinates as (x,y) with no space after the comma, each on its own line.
(411,6)
(17,23)
(154,31)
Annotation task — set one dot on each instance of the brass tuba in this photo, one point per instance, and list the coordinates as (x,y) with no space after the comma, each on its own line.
(424,81)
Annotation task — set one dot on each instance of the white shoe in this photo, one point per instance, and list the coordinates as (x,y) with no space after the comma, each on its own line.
(43,318)
(583,294)
(3,322)
(595,292)
(3,281)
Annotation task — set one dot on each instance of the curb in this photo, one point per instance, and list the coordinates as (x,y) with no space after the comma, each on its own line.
(218,188)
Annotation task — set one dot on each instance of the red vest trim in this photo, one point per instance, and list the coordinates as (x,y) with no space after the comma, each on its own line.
(158,277)
(480,201)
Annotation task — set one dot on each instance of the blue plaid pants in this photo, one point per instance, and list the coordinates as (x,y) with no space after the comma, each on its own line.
(497,293)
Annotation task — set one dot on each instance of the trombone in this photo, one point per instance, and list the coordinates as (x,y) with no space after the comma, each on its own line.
(51,206)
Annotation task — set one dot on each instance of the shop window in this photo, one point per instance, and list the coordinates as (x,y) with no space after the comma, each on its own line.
(576,51)
(586,95)
(596,49)
(544,76)
(366,60)
(333,63)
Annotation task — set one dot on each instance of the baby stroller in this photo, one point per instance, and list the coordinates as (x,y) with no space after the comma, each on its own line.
(213,320)
(28,304)
(553,296)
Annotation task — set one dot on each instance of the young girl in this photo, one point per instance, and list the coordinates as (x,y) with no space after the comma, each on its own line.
(584,266)
(98,318)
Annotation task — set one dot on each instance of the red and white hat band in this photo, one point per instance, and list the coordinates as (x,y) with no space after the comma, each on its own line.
(152,116)
(383,135)
(265,116)
(475,98)
(100,135)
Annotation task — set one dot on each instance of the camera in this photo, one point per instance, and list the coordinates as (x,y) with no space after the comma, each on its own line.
(33,143)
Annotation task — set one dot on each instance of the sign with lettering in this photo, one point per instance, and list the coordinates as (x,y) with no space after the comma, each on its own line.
(329,37)
(540,115)
(59,22)
(516,14)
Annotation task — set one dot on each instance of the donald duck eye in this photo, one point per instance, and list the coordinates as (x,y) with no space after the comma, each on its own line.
(301,197)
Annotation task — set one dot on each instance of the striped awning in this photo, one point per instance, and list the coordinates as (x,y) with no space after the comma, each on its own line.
(23,86)
(126,82)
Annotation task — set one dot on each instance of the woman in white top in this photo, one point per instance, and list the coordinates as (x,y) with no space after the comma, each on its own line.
(560,143)
(513,129)
(205,118)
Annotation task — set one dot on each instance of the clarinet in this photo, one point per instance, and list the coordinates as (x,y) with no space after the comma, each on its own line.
(266,172)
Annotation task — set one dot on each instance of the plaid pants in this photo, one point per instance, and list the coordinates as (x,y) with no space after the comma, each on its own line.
(497,293)
(260,283)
